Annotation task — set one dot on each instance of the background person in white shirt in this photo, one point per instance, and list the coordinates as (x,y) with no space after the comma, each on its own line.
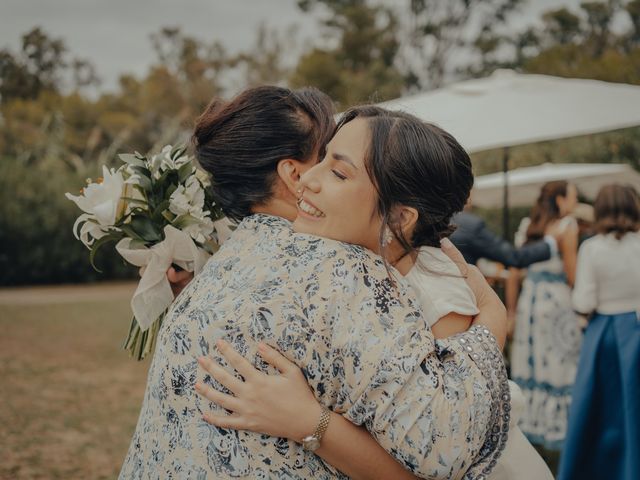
(603,437)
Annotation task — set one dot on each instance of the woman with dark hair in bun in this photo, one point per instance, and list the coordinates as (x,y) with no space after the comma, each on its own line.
(332,307)
(391,183)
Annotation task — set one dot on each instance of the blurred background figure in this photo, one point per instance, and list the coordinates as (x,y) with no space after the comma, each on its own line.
(546,344)
(603,436)
(475,240)
(584,215)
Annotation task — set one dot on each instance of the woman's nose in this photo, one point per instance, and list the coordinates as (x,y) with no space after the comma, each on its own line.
(310,181)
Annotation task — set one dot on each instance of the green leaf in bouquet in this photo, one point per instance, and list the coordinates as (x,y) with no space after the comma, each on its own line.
(177,152)
(169,215)
(139,344)
(131,233)
(158,213)
(185,171)
(172,188)
(98,244)
(184,221)
(144,177)
(141,210)
(132,159)
(146,229)
(133,244)
(169,177)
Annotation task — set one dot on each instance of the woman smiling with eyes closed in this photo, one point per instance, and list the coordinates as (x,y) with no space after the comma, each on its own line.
(331,307)
(390,183)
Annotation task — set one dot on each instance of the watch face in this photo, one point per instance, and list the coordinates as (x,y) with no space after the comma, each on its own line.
(311,443)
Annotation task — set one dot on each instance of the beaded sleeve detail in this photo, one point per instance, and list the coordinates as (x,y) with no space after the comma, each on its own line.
(479,344)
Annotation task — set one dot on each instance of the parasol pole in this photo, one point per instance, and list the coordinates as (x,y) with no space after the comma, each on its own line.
(505,194)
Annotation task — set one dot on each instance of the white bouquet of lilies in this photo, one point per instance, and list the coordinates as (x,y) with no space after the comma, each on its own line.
(159,212)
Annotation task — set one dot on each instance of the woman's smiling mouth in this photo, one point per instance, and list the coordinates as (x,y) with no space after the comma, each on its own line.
(309,209)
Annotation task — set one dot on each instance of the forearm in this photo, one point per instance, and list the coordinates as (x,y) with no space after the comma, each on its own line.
(353,451)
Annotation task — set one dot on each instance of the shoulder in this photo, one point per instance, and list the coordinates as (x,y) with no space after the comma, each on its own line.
(591,244)
(440,286)
(260,222)
(567,224)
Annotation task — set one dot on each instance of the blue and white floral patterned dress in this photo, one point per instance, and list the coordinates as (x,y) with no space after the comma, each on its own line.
(441,408)
(545,351)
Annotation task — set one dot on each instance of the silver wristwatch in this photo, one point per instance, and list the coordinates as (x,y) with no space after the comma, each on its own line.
(312,442)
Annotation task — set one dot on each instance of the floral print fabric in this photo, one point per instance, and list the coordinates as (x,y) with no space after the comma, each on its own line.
(545,352)
(441,408)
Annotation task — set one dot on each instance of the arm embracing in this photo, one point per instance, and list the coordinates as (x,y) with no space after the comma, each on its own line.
(450,417)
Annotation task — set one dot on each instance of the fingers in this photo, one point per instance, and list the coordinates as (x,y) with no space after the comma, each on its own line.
(234,422)
(276,359)
(182,277)
(221,375)
(237,361)
(454,254)
(227,402)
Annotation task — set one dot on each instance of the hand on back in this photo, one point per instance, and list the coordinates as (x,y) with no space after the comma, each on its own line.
(178,280)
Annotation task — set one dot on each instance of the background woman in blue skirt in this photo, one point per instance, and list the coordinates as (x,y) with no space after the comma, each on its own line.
(603,438)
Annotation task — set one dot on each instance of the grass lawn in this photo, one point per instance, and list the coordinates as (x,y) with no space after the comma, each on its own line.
(70,396)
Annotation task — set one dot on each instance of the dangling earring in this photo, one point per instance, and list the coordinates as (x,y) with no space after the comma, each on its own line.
(387,236)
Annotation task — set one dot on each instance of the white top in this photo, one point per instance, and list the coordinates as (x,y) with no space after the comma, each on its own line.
(608,275)
(439,286)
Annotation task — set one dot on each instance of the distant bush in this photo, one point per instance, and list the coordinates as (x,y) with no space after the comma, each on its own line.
(36,240)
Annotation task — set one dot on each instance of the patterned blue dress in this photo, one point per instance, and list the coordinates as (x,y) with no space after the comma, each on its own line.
(441,408)
(545,351)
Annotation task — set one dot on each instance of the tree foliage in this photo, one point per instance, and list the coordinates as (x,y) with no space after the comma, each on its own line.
(53,133)
(358,64)
(579,44)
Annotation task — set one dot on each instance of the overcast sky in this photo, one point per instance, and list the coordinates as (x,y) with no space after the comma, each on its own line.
(114,34)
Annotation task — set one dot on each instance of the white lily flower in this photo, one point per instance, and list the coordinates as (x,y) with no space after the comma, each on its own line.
(201,231)
(188,198)
(90,230)
(100,200)
(168,163)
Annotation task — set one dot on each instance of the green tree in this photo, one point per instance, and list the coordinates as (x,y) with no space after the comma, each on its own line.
(42,64)
(264,62)
(436,29)
(361,65)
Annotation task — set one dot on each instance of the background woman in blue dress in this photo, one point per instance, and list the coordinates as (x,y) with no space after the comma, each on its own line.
(603,438)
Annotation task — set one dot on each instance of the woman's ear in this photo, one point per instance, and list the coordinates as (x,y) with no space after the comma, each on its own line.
(289,171)
(406,218)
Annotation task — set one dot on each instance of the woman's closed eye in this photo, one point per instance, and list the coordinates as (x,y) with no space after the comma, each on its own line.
(338,174)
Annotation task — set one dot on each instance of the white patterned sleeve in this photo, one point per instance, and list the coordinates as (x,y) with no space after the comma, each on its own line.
(450,418)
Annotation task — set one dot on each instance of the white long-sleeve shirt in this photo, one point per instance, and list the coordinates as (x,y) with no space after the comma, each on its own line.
(608,275)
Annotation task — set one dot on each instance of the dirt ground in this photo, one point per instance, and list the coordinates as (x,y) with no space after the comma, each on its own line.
(69,396)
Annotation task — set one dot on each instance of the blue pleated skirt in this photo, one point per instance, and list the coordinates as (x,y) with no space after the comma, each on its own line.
(603,435)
